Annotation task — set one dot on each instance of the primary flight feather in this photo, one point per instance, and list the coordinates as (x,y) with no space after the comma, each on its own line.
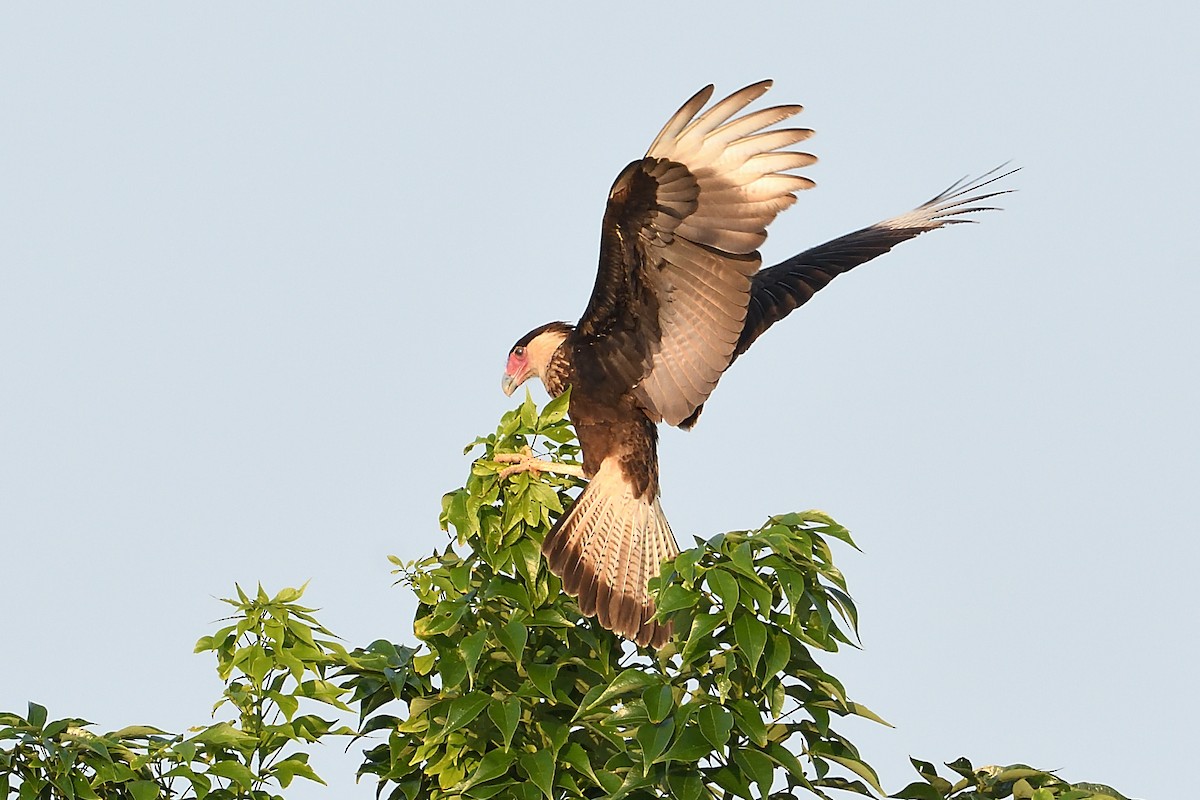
(679,295)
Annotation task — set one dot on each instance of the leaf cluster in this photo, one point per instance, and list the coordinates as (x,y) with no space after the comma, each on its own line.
(512,693)
(515,694)
(273,657)
(1018,781)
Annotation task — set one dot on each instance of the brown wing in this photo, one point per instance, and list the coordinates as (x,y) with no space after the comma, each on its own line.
(679,249)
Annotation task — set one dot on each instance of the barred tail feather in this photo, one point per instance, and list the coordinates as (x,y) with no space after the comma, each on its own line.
(606,548)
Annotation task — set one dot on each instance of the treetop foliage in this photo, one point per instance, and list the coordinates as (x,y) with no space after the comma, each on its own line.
(513,694)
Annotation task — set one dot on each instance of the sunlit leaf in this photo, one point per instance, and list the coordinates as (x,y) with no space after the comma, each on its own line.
(677,598)
(465,709)
(859,768)
(725,586)
(624,683)
(471,648)
(143,790)
(751,636)
(513,635)
(659,702)
(235,771)
(506,714)
(493,764)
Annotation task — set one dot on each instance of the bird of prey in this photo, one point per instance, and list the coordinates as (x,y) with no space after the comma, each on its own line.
(678,297)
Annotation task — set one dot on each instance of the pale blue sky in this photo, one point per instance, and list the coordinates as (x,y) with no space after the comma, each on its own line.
(260,267)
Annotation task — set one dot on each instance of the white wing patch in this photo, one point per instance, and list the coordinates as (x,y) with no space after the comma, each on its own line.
(703,297)
(701,244)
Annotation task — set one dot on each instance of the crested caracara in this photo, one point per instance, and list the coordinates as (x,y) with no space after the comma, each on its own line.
(678,297)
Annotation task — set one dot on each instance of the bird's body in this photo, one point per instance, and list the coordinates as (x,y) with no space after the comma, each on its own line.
(678,297)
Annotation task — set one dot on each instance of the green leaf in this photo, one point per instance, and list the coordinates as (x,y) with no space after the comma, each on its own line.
(577,757)
(539,767)
(698,641)
(224,735)
(289,594)
(778,652)
(742,559)
(494,764)
(786,759)
(748,717)
(859,710)
(506,714)
(725,586)
(659,702)
(542,676)
(464,709)
(292,766)
(36,715)
(513,635)
(56,727)
(685,564)
(528,412)
(690,746)
(685,785)
(732,781)
(554,411)
(528,554)
(751,636)
(143,790)
(137,732)
(757,767)
(859,768)
(677,598)
(927,771)
(423,664)
(918,791)
(716,723)
(963,767)
(235,771)
(1100,790)
(654,740)
(1013,773)
(471,647)
(754,592)
(625,682)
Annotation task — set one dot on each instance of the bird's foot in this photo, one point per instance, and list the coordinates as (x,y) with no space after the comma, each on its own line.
(526,461)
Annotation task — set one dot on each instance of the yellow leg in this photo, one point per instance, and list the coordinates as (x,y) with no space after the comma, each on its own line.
(526,461)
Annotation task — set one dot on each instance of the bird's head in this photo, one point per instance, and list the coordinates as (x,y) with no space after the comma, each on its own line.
(530,355)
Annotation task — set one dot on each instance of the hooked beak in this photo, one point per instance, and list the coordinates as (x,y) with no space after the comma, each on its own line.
(508,384)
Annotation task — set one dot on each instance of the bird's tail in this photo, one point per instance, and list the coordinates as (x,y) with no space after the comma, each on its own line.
(606,547)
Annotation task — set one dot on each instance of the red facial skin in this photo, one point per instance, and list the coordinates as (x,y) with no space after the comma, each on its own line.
(515,372)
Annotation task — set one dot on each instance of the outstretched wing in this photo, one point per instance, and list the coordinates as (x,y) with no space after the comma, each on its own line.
(679,248)
(779,290)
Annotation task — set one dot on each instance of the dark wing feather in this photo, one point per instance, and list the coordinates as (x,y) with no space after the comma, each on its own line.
(678,249)
(612,338)
(779,290)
